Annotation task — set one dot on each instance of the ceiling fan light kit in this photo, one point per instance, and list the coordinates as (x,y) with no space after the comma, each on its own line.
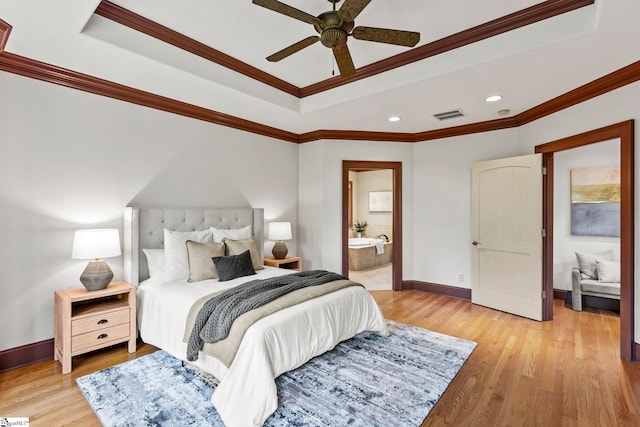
(334,27)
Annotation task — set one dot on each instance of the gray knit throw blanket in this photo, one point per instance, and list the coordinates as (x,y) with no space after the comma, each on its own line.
(214,320)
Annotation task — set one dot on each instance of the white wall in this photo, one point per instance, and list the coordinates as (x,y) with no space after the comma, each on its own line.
(367,181)
(312,205)
(564,244)
(442,203)
(74,160)
(320,195)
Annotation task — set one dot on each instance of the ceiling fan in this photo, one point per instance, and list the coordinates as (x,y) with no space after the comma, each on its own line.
(334,27)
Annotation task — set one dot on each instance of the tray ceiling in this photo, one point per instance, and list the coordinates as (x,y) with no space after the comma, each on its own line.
(528,65)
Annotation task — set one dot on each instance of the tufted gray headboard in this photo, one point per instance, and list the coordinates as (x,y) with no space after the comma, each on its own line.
(144,228)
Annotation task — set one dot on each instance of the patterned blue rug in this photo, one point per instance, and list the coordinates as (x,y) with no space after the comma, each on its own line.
(368,380)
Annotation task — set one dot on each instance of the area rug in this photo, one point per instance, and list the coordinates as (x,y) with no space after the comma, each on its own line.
(369,380)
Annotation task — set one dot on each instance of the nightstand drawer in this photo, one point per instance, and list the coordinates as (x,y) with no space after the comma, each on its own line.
(99,321)
(101,338)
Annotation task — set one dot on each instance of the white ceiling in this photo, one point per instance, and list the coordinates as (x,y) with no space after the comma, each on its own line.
(527,66)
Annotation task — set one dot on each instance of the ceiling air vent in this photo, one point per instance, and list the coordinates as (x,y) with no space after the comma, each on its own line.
(449,115)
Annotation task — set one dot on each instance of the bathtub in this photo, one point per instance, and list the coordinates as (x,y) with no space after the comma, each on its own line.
(362,254)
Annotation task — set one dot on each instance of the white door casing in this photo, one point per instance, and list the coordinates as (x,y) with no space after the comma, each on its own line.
(507,235)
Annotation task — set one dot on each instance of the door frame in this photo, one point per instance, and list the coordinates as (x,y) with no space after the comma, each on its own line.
(624,131)
(396,241)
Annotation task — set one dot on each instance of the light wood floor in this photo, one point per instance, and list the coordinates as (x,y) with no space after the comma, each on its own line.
(522,373)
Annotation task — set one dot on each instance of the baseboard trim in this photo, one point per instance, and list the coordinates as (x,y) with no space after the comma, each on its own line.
(561,294)
(464,293)
(435,288)
(594,302)
(26,355)
(635,357)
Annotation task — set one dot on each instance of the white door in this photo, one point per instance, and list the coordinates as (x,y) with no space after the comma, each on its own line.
(507,235)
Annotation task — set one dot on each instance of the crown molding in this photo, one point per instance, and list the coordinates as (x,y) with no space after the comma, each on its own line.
(61,76)
(486,126)
(513,21)
(125,17)
(5,29)
(521,18)
(356,135)
(612,81)
(57,75)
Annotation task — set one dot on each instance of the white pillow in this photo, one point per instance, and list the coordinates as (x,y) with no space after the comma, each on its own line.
(155,262)
(176,261)
(608,271)
(219,234)
(587,263)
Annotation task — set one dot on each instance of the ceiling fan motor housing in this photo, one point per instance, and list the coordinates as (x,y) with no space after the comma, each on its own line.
(333,30)
(333,37)
(334,27)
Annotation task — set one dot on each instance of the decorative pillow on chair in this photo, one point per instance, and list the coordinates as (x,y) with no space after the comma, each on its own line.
(201,266)
(219,234)
(587,263)
(234,247)
(231,267)
(175,251)
(608,271)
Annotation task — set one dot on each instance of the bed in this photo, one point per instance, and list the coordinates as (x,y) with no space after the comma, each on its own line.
(281,341)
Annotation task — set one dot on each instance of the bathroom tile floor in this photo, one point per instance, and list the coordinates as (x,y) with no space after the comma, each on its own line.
(374,279)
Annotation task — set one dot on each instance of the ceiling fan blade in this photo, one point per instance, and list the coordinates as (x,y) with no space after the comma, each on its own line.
(292,49)
(383,35)
(285,9)
(344,61)
(352,8)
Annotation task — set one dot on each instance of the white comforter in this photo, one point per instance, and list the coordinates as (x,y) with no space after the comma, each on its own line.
(278,343)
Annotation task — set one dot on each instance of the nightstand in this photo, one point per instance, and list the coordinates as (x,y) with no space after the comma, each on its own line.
(90,320)
(288,262)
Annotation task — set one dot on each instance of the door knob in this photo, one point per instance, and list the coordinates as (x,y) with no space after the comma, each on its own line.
(474,243)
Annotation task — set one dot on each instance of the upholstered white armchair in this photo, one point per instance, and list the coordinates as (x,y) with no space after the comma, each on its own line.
(597,275)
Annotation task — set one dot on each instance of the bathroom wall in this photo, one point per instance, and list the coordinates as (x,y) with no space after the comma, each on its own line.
(363,183)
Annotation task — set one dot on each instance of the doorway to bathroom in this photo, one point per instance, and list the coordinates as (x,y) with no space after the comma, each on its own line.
(372,224)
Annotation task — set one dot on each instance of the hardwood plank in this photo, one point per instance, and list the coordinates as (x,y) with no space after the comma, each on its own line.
(567,372)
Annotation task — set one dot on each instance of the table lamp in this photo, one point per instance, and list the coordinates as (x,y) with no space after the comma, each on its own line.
(96,244)
(279,231)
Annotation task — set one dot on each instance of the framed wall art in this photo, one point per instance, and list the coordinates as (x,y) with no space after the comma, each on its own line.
(380,201)
(595,201)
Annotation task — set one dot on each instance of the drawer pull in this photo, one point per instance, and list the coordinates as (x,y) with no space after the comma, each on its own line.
(102,336)
(102,322)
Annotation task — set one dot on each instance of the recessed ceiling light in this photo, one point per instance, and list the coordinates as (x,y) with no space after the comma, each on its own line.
(394,119)
(493,98)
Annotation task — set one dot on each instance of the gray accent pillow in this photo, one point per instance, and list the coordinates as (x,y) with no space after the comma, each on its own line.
(233,266)
(235,247)
(201,266)
(608,271)
(587,263)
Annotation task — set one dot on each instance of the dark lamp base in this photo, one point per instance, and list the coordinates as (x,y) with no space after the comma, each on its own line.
(279,250)
(96,276)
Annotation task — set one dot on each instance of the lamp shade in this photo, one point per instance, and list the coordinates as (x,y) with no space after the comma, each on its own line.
(96,244)
(279,231)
